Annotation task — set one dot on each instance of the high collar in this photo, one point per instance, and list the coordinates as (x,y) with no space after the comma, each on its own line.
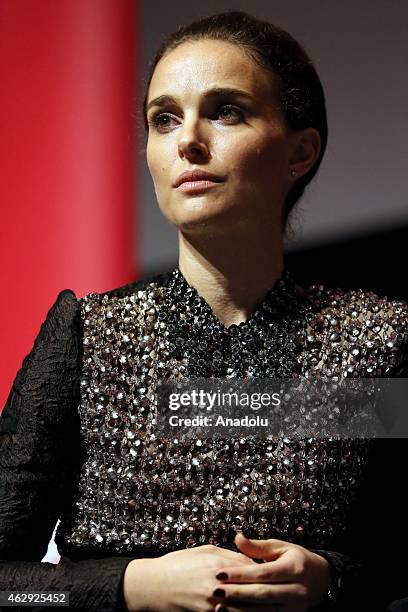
(279,299)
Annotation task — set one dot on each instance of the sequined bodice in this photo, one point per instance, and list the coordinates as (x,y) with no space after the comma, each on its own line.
(140,492)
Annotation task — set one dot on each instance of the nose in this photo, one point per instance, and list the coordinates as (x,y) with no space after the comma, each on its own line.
(192,143)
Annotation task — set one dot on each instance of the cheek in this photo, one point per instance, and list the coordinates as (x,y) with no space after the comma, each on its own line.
(157,164)
(151,162)
(250,158)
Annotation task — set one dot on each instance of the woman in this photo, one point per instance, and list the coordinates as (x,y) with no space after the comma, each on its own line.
(236,124)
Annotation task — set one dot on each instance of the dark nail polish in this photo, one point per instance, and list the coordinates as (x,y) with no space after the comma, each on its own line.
(219,593)
(223,609)
(222,576)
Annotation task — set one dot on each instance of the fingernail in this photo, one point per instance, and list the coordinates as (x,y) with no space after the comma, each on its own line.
(223,609)
(222,576)
(219,593)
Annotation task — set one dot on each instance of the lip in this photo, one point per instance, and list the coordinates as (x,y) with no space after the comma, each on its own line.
(196,187)
(197,179)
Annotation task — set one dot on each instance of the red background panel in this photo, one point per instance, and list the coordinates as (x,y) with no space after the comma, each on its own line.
(68,75)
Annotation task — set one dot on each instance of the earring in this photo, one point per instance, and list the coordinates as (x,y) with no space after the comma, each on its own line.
(293,172)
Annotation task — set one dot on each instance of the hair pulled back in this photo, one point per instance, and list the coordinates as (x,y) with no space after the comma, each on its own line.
(300,94)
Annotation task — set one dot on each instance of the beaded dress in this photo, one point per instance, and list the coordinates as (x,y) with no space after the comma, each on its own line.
(78,440)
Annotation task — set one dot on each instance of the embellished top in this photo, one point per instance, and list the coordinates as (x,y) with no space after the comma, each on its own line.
(132,492)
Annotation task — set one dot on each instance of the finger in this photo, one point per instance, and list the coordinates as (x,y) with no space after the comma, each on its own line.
(262,549)
(262,608)
(256,594)
(248,608)
(281,570)
(236,556)
(245,559)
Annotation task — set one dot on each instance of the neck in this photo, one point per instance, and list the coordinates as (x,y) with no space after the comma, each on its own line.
(232,276)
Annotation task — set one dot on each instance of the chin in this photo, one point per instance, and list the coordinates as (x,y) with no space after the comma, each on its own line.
(195,225)
(200,207)
(196,213)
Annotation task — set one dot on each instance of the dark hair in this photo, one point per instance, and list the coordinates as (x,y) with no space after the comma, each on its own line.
(300,93)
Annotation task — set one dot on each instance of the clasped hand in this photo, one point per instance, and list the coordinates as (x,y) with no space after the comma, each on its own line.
(291,579)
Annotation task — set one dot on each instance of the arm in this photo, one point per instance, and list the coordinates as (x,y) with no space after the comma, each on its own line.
(370,568)
(39,450)
(369,565)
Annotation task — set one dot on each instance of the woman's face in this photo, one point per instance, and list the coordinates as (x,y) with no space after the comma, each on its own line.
(211,108)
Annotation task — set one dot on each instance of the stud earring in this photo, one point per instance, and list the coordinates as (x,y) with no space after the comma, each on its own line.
(293,172)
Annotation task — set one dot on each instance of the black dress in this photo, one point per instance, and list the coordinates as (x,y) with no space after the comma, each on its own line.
(78,444)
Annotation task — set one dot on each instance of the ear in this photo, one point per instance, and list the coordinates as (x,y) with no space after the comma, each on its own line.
(304,151)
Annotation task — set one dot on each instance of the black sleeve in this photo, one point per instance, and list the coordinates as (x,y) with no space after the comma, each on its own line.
(39,450)
(372,564)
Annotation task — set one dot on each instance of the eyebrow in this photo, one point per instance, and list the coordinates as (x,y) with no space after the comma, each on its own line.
(216,92)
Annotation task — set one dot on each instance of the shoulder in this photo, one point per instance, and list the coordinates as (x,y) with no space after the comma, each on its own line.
(56,349)
(372,328)
(358,307)
(62,319)
(137,292)
(64,311)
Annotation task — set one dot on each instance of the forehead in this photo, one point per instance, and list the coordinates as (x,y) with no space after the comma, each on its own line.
(195,66)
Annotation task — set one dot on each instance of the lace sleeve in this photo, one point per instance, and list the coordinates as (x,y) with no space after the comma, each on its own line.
(39,449)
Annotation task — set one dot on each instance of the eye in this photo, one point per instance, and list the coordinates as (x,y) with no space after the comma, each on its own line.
(230,113)
(161,121)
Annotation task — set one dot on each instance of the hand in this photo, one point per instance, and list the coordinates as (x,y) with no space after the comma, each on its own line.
(291,576)
(179,581)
